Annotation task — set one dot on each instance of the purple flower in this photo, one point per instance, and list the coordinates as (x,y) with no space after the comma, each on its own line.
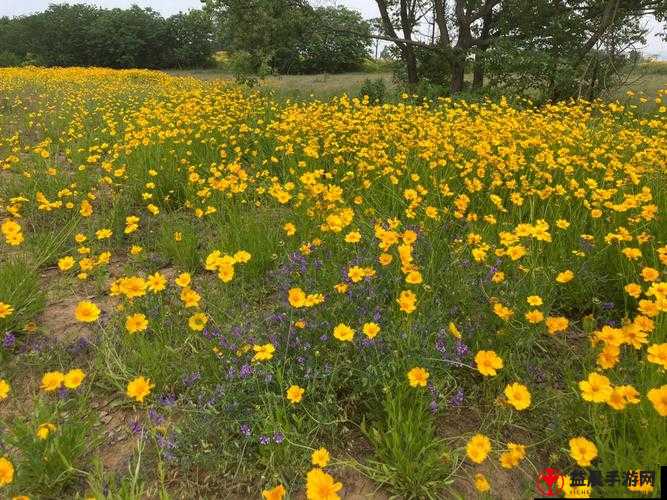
(433,407)
(9,340)
(245,371)
(155,417)
(190,380)
(462,350)
(457,399)
(264,440)
(167,400)
(245,430)
(278,437)
(135,427)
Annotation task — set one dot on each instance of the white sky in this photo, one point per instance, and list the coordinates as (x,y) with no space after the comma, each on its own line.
(368,8)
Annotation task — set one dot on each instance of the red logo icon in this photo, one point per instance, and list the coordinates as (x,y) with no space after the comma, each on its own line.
(550,482)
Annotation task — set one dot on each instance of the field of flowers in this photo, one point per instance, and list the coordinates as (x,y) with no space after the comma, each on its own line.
(208,292)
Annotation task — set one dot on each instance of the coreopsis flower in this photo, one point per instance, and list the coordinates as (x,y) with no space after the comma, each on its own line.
(518,396)
(534,316)
(556,324)
(4,389)
(488,362)
(74,378)
(290,229)
(156,282)
(658,397)
(6,310)
(633,290)
(343,332)
(478,448)
(583,451)
(198,321)
(296,298)
(353,237)
(321,486)
(263,352)
(657,353)
(596,388)
(66,263)
(183,280)
(418,377)
(136,323)
(534,300)
(565,277)
(86,311)
(44,430)
(482,483)
(320,457)
(275,493)
(407,301)
(6,472)
(514,454)
(370,329)
(52,381)
(138,388)
(295,394)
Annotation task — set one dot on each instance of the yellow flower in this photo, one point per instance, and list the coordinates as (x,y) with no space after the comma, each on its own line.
(633,290)
(296,297)
(478,448)
(242,257)
(276,493)
(6,472)
(198,321)
(295,394)
(44,430)
(534,316)
(534,300)
(514,454)
(518,396)
(290,229)
(343,332)
(565,276)
(482,483)
(52,381)
(583,451)
(417,377)
(407,301)
(136,323)
(320,457)
(658,397)
(86,312)
(413,278)
(4,389)
(66,263)
(156,282)
(183,280)
(103,234)
(556,324)
(657,353)
(321,486)
(138,388)
(6,310)
(488,362)
(596,388)
(73,378)
(385,259)
(263,352)
(371,329)
(353,237)
(453,330)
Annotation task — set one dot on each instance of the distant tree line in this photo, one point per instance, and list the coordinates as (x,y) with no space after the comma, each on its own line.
(82,35)
(269,36)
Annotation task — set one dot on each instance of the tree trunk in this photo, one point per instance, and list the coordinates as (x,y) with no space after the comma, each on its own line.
(458,71)
(410,60)
(478,71)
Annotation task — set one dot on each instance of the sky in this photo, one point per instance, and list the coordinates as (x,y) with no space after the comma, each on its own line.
(368,8)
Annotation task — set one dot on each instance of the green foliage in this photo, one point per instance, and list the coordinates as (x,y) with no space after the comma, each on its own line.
(376,90)
(408,456)
(292,37)
(83,35)
(20,287)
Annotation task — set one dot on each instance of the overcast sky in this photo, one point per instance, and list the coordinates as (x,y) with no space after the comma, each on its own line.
(368,8)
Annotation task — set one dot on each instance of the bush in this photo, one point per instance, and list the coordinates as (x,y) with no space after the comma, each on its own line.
(8,59)
(376,90)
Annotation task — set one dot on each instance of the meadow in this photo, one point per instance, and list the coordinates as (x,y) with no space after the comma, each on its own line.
(210,291)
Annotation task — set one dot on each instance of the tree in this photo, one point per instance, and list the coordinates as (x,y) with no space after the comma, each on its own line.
(290,36)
